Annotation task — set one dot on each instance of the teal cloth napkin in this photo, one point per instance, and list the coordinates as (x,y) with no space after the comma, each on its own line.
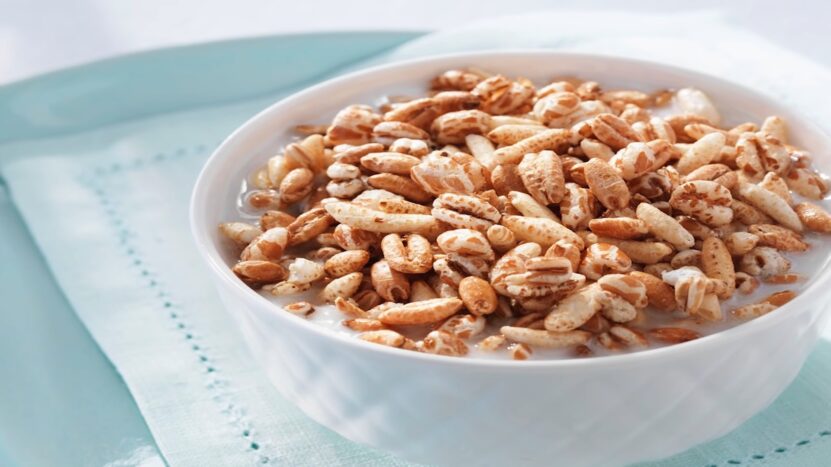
(108,208)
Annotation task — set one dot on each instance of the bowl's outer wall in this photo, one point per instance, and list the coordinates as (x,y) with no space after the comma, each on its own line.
(433,411)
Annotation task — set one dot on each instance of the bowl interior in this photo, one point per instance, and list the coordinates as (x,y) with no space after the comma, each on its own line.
(218,187)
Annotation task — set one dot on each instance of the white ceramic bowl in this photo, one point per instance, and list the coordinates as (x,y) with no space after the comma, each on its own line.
(452,411)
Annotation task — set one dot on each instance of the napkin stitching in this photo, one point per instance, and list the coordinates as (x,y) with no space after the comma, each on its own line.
(235,412)
(822,435)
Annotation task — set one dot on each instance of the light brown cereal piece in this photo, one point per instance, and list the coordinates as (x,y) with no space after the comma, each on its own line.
(768,304)
(453,127)
(701,152)
(706,201)
(505,179)
(389,162)
(628,337)
(664,226)
(443,343)
(686,258)
(776,184)
(371,220)
(345,189)
(343,287)
(546,140)
(478,296)
(653,185)
(352,125)
(576,206)
(747,214)
(501,238)
(308,225)
(259,271)
(350,238)
(545,232)
(573,311)
(387,132)
(414,258)
(464,326)
(482,149)
(613,131)
(491,343)
(544,338)
(717,264)
(566,249)
(366,299)
(778,237)
(542,175)
(776,127)
(696,102)
(271,219)
(526,205)
(606,184)
(593,148)
(774,155)
(299,308)
(673,335)
(624,228)
(296,185)
(420,290)
(346,262)
(384,337)
(268,246)
(634,160)
(764,261)
(399,185)
(556,105)
(806,182)
(645,252)
(603,258)
(456,80)
(659,294)
(411,147)
(465,211)
(423,312)
(390,284)
(286,288)
(788,278)
(240,233)
(629,288)
(745,283)
(363,324)
(499,95)
(466,242)
(771,204)
(814,217)
(740,243)
(507,135)
(520,351)
(350,307)
(439,172)
(615,308)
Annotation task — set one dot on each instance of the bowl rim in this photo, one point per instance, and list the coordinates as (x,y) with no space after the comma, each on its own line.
(800,304)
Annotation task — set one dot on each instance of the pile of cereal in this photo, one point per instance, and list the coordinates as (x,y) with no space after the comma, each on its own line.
(498,216)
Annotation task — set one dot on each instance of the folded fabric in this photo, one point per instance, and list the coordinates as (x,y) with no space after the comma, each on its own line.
(108,208)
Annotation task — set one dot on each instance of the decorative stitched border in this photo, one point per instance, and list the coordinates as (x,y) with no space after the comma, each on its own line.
(218,385)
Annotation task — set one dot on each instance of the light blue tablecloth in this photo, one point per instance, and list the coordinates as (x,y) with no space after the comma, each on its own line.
(108,208)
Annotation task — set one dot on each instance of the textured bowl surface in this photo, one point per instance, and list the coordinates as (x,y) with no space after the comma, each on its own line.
(600,411)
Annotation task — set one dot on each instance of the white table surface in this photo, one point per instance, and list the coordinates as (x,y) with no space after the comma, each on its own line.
(37,36)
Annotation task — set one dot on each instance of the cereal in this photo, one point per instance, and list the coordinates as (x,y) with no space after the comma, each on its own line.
(490,218)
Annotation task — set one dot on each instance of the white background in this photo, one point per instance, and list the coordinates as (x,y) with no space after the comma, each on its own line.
(43,35)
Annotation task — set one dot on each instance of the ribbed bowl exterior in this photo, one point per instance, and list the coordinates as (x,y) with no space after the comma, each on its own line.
(450,414)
